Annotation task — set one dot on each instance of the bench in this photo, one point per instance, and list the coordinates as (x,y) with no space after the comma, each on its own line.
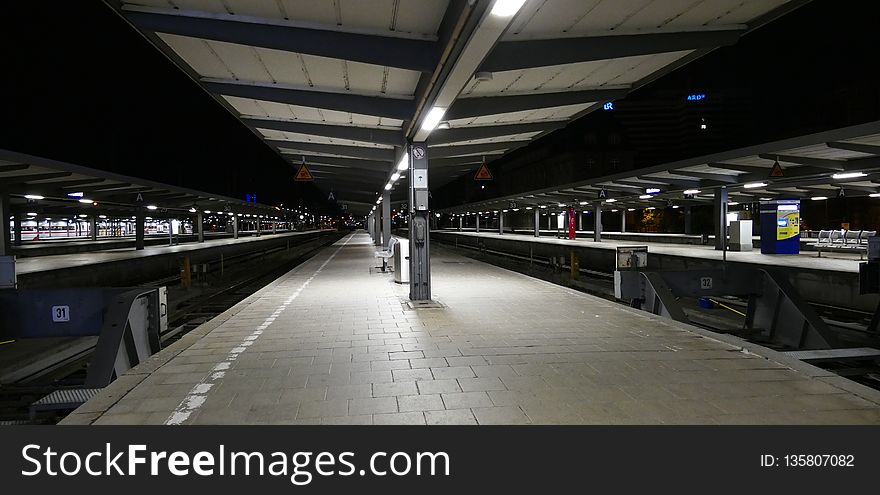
(387,253)
(844,240)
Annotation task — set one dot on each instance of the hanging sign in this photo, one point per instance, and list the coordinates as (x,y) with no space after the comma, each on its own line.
(483,173)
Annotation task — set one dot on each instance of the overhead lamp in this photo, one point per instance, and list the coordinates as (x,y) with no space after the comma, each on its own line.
(650,208)
(543,206)
(528,207)
(753,185)
(507,8)
(732,203)
(388,186)
(102,216)
(403,164)
(84,200)
(395,176)
(652,190)
(153,207)
(819,198)
(192,210)
(848,175)
(583,203)
(675,207)
(31,214)
(610,200)
(75,194)
(33,196)
(692,191)
(613,211)
(630,209)
(874,195)
(207,212)
(645,196)
(433,118)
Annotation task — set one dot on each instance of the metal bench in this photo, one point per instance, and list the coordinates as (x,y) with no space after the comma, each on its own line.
(844,240)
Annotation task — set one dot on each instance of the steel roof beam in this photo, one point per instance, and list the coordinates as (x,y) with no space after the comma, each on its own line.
(378,106)
(403,53)
(464,108)
(296,160)
(13,168)
(515,55)
(364,134)
(367,153)
(838,165)
(24,179)
(871,149)
(446,136)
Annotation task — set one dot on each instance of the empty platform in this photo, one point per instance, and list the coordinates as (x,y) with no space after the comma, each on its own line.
(334,341)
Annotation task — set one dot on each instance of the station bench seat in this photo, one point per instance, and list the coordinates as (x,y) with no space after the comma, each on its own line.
(385,254)
(844,240)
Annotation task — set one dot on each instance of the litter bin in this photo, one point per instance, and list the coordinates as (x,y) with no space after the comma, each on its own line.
(401,261)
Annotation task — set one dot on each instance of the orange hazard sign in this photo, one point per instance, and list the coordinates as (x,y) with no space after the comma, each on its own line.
(303,173)
(776,171)
(483,173)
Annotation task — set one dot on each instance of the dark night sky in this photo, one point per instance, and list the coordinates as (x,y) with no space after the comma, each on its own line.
(81,85)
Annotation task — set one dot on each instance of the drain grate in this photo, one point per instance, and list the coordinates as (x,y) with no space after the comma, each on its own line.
(424,304)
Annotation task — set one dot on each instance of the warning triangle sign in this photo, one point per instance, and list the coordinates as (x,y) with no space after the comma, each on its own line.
(303,174)
(483,173)
(776,171)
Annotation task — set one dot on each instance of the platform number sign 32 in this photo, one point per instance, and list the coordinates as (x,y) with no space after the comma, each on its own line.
(60,313)
(705,283)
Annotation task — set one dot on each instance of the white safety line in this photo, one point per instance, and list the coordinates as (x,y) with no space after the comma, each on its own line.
(199,393)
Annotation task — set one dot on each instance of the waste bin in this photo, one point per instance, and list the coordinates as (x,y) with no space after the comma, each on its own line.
(401,261)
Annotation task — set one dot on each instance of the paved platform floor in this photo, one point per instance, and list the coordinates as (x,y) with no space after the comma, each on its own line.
(836,261)
(334,342)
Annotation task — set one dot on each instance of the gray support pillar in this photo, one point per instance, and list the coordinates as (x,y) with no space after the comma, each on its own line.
(16,230)
(93,227)
(274,226)
(377,239)
(460,223)
(200,224)
(419,233)
(235,226)
(720,206)
(597,221)
(549,221)
(478,222)
(258,225)
(139,229)
(5,239)
(688,229)
(501,222)
(170,232)
(537,223)
(386,219)
(580,215)
(623,219)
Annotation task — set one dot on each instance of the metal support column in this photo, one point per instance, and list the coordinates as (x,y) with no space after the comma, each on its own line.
(597,221)
(720,206)
(580,220)
(501,222)
(419,233)
(201,226)
(16,230)
(688,229)
(460,223)
(623,219)
(478,222)
(386,219)
(93,228)
(258,225)
(139,229)
(235,226)
(5,240)
(537,223)
(170,232)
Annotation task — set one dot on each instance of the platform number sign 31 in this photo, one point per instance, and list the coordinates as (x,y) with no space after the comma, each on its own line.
(705,283)
(60,313)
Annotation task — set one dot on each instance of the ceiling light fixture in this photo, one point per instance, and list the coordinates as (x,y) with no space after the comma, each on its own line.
(753,185)
(433,118)
(848,175)
(507,8)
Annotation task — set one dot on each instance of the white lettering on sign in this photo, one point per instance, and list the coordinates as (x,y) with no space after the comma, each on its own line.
(60,313)
(705,283)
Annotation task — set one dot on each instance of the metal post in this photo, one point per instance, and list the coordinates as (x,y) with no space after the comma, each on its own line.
(460,222)
(580,220)
(720,207)
(93,227)
(501,222)
(139,229)
(386,219)
(258,225)
(201,226)
(16,229)
(5,240)
(235,226)
(478,222)
(419,233)
(687,220)
(597,221)
(274,226)
(537,223)
(623,219)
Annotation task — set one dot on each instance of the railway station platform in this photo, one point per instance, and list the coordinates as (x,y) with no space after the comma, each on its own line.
(103,267)
(335,341)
